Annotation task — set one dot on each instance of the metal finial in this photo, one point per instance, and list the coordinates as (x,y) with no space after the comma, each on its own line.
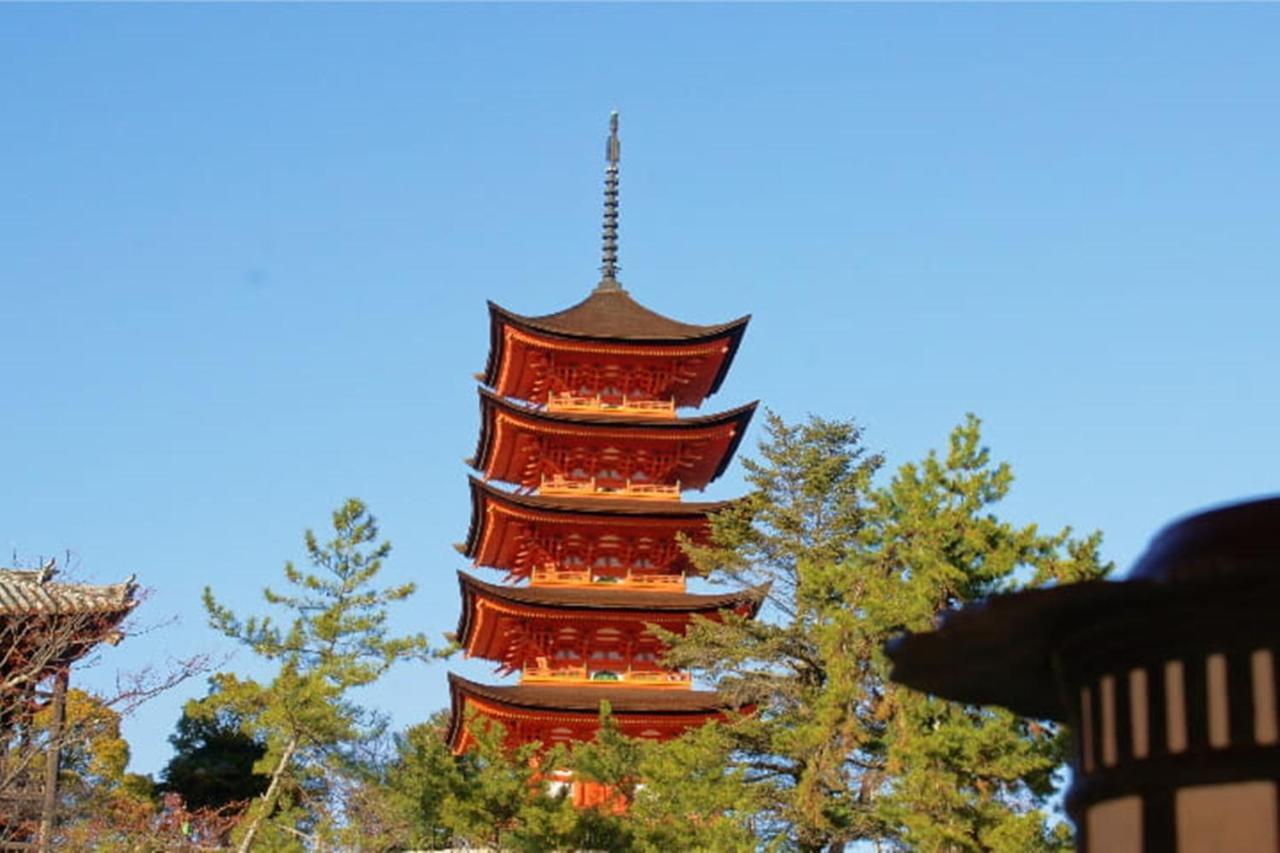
(609,255)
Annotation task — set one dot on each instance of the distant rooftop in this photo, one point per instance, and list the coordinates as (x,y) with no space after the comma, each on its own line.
(24,591)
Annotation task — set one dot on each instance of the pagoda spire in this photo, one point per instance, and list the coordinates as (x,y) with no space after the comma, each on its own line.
(609,254)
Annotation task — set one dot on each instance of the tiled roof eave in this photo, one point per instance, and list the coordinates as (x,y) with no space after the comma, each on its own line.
(624,321)
(607,597)
(24,593)
(586,699)
(612,506)
(678,334)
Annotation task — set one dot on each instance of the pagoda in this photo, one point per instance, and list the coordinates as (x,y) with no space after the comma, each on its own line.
(580,423)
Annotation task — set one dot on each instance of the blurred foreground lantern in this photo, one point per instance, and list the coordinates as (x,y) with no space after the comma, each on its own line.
(1167,680)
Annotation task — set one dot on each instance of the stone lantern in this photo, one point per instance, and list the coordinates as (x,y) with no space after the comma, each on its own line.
(1167,681)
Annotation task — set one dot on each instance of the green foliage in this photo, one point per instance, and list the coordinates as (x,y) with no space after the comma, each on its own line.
(679,795)
(96,794)
(93,752)
(491,796)
(335,640)
(692,797)
(498,799)
(424,774)
(965,778)
(213,761)
(837,753)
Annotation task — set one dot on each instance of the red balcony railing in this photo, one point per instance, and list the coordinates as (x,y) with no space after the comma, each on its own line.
(622,406)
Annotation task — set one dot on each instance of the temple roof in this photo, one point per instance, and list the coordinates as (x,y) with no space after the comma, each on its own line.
(32,591)
(53,624)
(607,426)
(567,507)
(610,315)
(603,597)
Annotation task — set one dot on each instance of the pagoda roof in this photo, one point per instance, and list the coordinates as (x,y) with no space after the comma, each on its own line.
(486,608)
(493,405)
(582,701)
(587,698)
(555,507)
(32,591)
(600,597)
(611,315)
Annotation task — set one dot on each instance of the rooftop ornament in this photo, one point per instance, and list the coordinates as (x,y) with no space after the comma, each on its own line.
(609,254)
(1167,681)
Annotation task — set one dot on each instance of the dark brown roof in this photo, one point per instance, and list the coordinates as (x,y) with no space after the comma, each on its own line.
(491,402)
(623,701)
(605,597)
(586,699)
(1205,580)
(612,315)
(482,491)
(598,506)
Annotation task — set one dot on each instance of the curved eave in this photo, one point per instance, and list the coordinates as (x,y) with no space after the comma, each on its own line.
(585,701)
(622,603)
(491,404)
(568,507)
(31,592)
(500,317)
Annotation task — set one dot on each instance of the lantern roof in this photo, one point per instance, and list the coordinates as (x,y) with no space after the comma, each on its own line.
(1214,571)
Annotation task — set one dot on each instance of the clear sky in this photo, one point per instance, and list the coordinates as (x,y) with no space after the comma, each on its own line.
(245,253)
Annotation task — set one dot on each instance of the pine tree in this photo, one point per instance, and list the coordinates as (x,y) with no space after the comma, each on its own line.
(680,794)
(837,752)
(423,774)
(336,640)
(963,778)
(213,761)
(501,799)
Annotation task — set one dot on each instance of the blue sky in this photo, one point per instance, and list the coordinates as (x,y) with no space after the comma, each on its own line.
(245,251)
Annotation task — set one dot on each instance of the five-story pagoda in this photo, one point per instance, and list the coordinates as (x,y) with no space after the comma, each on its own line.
(579,421)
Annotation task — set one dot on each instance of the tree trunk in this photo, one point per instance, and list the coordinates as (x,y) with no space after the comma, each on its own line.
(269,795)
(53,761)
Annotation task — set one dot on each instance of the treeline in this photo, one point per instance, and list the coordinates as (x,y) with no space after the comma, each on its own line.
(833,753)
